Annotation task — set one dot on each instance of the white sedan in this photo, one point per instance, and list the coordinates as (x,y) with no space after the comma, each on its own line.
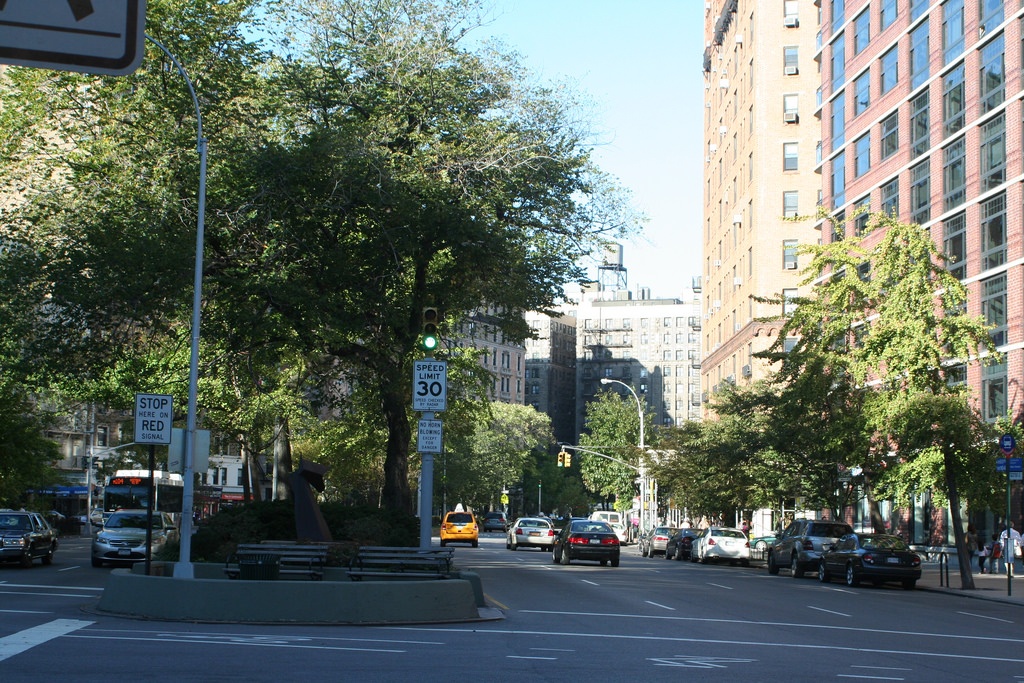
(531,532)
(723,543)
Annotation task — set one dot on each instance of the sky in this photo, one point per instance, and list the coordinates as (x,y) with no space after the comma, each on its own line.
(640,61)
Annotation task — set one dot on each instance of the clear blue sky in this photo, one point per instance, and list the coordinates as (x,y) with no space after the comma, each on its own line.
(640,60)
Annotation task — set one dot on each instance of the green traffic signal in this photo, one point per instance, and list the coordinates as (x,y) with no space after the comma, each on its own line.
(428,342)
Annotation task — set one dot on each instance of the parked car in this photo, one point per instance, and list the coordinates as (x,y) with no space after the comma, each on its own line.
(799,547)
(695,542)
(761,543)
(460,527)
(680,544)
(874,557)
(620,530)
(587,540)
(722,543)
(25,536)
(495,521)
(654,543)
(531,532)
(123,537)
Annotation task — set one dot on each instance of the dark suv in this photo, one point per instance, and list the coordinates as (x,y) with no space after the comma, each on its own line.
(495,521)
(799,547)
(25,536)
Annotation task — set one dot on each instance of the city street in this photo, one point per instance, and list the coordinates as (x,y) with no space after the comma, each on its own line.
(648,619)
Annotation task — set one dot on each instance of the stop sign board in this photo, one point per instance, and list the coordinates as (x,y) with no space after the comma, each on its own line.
(430,385)
(90,36)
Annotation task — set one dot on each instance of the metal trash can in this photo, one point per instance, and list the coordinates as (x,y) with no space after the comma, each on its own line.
(258,567)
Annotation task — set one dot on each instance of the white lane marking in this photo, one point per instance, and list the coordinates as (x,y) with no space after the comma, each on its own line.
(52,595)
(17,643)
(590,582)
(21,611)
(698,662)
(253,641)
(550,659)
(661,606)
(880,668)
(552,649)
(718,585)
(821,609)
(4,584)
(209,635)
(982,616)
(822,627)
(67,569)
(871,678)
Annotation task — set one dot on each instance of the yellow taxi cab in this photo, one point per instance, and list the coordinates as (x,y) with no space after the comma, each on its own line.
(459,527)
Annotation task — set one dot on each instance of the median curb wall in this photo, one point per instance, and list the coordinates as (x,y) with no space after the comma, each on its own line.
(210,597)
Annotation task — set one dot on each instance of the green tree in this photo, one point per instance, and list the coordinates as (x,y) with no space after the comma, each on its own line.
(613,428)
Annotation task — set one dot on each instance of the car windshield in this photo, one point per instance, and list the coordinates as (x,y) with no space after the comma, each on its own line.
(15,522)
(882,542)
(459,518)
(829,530)
(664,531)
(591,527)
(494,515)
(537,523)
(131,522)
(728,533)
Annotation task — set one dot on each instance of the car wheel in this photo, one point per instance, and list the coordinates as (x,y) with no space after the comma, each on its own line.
(823,574)
(26,560)
(794,566)
(48,557)
(852,580)
(508,544)
(97,562)
(678,554)
(555,557)
(615,562)
(604,563)
(476,543)
(761,545)
(908,584)
(773,568)
(514,546)
(442,543)
(745,563)
(565,558)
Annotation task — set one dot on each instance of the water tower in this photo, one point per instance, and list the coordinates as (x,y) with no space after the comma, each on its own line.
(611,274)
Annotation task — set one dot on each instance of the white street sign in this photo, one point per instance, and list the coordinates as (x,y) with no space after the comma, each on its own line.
(428,438)
(176,451)
(153,416)
(1016,476)
(90,36)
(430,385)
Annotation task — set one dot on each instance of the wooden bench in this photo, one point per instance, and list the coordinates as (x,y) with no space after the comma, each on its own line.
(401,563)
(290,558)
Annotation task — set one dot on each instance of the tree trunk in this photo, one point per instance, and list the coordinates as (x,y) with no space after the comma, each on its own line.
(877,523)
(246,488)
(963,559)
(396,494)
(283,459)
(254,477)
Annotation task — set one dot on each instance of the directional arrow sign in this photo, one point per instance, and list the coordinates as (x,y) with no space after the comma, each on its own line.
(91,36)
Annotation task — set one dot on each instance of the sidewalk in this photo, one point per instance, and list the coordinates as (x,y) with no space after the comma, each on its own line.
(990,587)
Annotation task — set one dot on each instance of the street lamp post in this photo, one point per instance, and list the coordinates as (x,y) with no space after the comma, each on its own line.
(645,489)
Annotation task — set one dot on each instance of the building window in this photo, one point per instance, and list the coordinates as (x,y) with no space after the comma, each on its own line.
(862,158)
(790,107)
(917,8)
(862,31)
(791,60)
(839,121)
(889,73)
(953,101)
(991,14)
(838,13)
(891,197)
(788,304)
(993,152)
(993,307)
(789,156)
(838,227)
(919,55)
(993,74)
(993,232)
(838,61)
(789,255)
(890,135)
(790,8)
(839,180)
(920,193)
(954,231)
(993,391)
(954,180)
(861,93)
(952,30)
(887,13)
(790,204)
(860,224)
(920,138)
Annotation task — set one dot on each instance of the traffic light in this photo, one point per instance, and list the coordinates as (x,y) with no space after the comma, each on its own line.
(561,458)
(428,340)
(568,458)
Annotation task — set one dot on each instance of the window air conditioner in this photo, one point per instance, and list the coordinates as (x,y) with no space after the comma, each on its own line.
(789,117)
(723,83)
(790,265)
(737,281)
(746,371)
(790,22)
(737,218)
(717,263)
(791,71)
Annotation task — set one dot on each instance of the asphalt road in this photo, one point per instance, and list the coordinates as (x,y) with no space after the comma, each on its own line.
(649,619)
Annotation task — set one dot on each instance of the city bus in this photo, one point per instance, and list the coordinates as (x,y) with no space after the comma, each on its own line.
(129,489)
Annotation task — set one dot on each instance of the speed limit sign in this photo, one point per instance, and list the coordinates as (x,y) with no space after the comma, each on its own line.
(430,385)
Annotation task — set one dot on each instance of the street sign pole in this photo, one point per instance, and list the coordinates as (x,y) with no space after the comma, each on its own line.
(429,394)
(154,414)
(1007,444)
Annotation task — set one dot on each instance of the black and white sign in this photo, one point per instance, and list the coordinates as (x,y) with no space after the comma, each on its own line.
(430,385)
(428,437)
(153,416)
(90,36)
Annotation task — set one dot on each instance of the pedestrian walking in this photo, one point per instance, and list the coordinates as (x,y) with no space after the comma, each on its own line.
(1010,541)
(982,556)
(972,542)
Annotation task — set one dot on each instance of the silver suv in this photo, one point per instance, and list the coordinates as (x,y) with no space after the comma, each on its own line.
(800,545)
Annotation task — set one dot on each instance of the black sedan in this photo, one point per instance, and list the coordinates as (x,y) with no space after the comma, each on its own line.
(871,557)
(586,540)
(679,544)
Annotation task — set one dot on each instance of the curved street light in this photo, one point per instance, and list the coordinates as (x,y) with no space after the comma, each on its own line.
(645,494)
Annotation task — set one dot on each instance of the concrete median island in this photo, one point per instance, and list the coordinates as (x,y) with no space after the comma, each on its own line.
(212,597)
